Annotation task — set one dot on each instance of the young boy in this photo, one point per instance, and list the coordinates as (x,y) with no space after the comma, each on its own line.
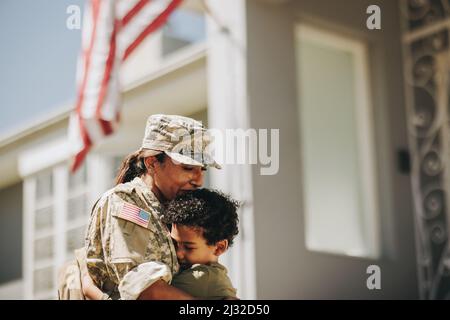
(203,226)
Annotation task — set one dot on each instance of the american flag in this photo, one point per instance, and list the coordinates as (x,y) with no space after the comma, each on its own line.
(134,214)
(112,29)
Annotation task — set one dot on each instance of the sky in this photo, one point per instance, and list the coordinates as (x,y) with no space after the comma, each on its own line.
(39,53)
(37,60)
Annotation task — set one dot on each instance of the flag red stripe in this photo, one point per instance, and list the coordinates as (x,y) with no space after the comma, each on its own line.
(87,146)
(131,210)
(130,14)
(130,207)
(133,213)
(109,70)
(79,158)
(133,217)
(106,125)
(87,56)
(155,24)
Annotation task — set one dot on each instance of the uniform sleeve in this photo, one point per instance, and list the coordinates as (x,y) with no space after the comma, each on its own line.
(141,277)
(95,258)
(116,246)
(69,282)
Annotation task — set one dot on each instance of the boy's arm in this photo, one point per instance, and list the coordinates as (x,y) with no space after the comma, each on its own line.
(135,284)
(160,290)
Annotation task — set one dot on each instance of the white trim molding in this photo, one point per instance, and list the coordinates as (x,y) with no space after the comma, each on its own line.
(43,156)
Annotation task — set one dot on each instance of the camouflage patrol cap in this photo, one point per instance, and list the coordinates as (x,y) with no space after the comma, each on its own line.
(183,139)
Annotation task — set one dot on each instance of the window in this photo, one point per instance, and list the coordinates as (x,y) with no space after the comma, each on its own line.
(57,212)
(77,209)
(337,149)
(43,249)
(184,27)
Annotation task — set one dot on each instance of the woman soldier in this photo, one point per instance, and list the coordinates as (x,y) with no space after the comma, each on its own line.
(125,232)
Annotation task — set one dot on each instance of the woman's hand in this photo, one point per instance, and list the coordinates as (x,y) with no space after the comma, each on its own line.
(160,290)
(90,290)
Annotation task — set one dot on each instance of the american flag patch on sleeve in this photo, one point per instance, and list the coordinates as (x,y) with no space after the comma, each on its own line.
(134,214)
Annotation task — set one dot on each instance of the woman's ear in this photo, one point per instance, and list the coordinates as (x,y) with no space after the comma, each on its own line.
(221,247)
(150,163)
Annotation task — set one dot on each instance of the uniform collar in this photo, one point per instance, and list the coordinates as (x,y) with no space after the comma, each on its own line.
(148,194)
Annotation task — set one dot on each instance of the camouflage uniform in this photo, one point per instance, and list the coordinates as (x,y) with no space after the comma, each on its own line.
(69,282)
(116,245)
(69,278)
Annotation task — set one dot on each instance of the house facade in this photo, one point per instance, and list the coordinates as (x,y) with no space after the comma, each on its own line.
(336,218)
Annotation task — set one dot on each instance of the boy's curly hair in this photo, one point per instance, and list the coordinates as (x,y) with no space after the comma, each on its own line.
(211,210)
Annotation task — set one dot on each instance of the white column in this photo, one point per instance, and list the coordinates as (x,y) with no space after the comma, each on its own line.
(60,184)
(228,109)
(99,169)
(29,201)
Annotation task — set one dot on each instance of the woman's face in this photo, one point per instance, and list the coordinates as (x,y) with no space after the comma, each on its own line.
(173,179)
